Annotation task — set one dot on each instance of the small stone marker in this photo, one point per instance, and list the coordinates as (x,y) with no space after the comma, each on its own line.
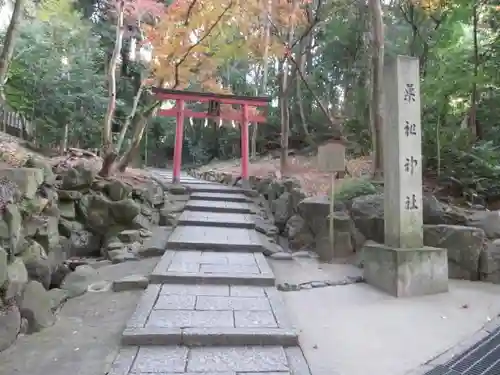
(403,266)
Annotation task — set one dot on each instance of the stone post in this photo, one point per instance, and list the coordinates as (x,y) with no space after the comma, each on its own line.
(403,266)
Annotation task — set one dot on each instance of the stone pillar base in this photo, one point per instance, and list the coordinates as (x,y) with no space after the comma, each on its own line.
(406,272)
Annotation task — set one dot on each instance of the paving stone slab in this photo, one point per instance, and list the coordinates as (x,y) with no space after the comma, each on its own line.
(216,219)
(215,239)
(218,206)
(211,267)
(181,360)
(210,315)
(221,197)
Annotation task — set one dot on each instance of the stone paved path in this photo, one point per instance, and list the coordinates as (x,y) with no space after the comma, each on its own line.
(211,307)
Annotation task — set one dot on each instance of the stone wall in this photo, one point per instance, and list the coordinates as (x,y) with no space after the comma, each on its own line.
(472,237)
(51,220)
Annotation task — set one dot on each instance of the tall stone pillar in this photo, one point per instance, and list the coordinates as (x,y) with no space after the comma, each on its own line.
(403,266)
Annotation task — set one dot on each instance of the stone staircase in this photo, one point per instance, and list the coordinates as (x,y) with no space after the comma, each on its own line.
(211,307)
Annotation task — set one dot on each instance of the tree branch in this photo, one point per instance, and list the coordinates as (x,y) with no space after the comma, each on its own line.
(311,25)
(303,79)
(209,31)
(189,11)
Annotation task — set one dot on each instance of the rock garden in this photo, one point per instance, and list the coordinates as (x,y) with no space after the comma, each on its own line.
(56,222)
(471,235)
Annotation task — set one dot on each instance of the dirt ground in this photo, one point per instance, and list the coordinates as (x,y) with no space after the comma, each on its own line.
(85,338)
(303,168)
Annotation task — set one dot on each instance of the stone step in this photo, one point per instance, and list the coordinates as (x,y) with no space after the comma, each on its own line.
(215,239)
(216,219)
(208,187)
(223,360)
(208,267)
(217,206)
(220,197)
(210,315)
(157,243)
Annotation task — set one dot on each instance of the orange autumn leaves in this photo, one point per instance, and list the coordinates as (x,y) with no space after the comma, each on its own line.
(195,38)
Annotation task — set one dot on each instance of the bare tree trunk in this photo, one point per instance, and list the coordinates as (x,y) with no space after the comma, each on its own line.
(8,46)
(301,64)
(108,153)
(265,73)
(473,124)
(140,125)
(283,102)
(377,90)
(64,143)
(131,115)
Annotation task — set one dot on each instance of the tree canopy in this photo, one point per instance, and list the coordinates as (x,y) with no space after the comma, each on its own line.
(313,57)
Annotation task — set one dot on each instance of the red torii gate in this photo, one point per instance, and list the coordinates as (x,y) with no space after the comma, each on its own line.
(214,100)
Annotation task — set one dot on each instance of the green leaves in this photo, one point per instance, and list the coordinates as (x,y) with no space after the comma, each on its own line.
(41,86)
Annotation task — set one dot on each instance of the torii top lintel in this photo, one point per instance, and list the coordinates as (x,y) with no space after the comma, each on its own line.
(254,101)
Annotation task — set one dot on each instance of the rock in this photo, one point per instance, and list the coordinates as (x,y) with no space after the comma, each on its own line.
(174,206)
(67,209)
(44,229)
(84,244)
(3,266)
(37,263)
(126,253)
(78,177)
(167,218)
(115,245)
(10,324)
(57,298)
(24,326)
(118,190)
(315,210)
(69,195)
(298,233)
(141,222)
(282,210)
(100,214)
(122,255)
(144,233)
(368,214)
(27,179)
(51,210)
(33,206)
(11,228)
(177,189)
(281,256)
(265,227)
(269,247)
(66,227)
(156,244)
(77,282)
(48,176)
(464,245)
(36,307)
(153,193)
(58,274)
(17,278)
(342,243)
(131,282)
(125,211)
(304,254)
(272,191)
(489,221)
(129,235)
